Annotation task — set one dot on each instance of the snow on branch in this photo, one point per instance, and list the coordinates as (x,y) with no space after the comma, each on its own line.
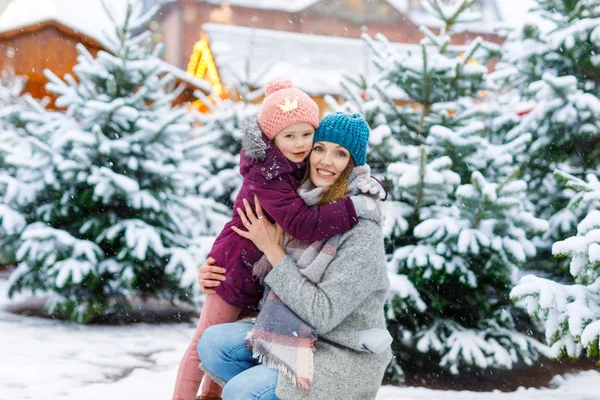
(571,313)
(453,12)
(491,347)
(567,312)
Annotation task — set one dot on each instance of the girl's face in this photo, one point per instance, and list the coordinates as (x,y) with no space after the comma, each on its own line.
(295,141)
(327,161)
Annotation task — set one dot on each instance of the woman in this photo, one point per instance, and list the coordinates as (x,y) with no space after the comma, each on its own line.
(325,297)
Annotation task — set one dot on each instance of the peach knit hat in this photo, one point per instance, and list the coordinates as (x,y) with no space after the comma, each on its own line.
(285,105)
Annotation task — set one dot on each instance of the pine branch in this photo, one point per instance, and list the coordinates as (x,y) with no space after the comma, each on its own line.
(572,181)
(122,42)
(510,178)
(427,90)
(407,123)
(468,54)
(421,188)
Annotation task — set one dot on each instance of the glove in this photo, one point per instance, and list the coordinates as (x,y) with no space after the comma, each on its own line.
(367,207)
(362,181)
(372,186)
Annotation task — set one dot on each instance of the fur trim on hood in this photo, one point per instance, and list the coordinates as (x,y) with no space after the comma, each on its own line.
(253,141)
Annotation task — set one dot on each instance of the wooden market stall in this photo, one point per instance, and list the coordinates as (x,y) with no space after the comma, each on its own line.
(43,34)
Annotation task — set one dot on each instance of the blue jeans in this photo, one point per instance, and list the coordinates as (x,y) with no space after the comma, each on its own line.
(223,351)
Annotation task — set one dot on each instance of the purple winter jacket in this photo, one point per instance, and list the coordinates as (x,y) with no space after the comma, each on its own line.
(274,180)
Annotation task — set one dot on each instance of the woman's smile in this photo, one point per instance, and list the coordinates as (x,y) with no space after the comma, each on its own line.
(325,173)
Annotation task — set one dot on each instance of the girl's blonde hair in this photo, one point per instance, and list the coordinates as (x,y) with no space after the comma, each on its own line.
(339,188)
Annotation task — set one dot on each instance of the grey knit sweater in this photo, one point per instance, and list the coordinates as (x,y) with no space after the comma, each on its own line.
(347,301)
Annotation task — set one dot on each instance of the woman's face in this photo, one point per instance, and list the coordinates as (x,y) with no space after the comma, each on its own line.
(327,161)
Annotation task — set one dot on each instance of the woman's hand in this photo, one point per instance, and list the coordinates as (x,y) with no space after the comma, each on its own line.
(210,276)
(266,236)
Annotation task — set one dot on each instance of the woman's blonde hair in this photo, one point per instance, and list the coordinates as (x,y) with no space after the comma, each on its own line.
(339,188)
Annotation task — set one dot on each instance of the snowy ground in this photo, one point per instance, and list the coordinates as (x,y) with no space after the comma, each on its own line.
(51,360)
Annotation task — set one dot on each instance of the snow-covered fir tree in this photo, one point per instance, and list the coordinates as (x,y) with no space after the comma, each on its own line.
(104,210)
(25,170)
(554,67)
(212,156)
(456,224)
(11,85)
(571,313)
(12,105)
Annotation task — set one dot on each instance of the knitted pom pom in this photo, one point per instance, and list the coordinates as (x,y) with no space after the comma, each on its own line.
(277,84)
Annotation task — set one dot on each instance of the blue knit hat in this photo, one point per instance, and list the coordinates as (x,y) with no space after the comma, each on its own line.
(348,130)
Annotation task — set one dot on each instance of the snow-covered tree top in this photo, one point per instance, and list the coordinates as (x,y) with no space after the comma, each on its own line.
(488,19)
(87,17)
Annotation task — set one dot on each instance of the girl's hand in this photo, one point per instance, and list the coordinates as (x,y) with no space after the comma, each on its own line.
(362,180)
(210,276)
(266,236)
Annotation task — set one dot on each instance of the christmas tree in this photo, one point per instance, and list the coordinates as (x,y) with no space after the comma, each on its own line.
(456,223)
(571,313)
(107,212)
(12,105)
(554,68)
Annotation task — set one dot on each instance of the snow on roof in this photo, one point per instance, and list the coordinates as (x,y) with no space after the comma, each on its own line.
(400,5)
(281,5)
(313,63)
(291,5)
(492,15)
(85,16)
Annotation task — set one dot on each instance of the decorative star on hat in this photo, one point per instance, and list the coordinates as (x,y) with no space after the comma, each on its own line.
(289,105)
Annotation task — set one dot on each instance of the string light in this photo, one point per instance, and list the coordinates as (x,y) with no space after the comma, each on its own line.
(202,66)
(470,61)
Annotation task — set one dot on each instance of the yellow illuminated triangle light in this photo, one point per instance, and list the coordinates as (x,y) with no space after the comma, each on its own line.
(202,65)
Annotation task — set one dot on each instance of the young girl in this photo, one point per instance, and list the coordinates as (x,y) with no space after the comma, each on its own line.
(271,164)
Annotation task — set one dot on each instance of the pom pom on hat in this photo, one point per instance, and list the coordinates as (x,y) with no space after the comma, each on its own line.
(277,84)
(285,105)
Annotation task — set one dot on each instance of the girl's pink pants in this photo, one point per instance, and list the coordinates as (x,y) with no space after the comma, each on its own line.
(189,377)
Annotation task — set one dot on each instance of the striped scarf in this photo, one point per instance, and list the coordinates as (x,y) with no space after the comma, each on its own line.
(280,338)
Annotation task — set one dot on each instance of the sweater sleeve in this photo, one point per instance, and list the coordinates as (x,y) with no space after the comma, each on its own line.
(351,276)
(280,200)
